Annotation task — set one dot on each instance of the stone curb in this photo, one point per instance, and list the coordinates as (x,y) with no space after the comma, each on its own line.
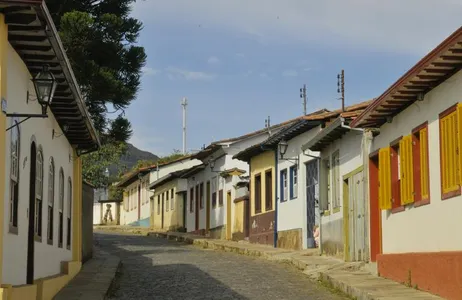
(112,285)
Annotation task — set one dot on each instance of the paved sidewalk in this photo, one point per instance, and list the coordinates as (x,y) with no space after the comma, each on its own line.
(94,280)
(350,278)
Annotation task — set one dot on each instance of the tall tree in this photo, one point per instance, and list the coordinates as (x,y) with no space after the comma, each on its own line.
(100,38)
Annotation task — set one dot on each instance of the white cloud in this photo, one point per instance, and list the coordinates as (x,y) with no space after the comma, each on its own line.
(177,73)
(376,25)
(264,75)
(290,73)
(148,71)
(213,60)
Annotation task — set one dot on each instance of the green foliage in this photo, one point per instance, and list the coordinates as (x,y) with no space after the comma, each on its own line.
(100,40)
(115,193)
(94,164)
(143,163)
(162,160)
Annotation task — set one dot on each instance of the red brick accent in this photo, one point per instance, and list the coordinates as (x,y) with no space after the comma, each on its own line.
(439,273)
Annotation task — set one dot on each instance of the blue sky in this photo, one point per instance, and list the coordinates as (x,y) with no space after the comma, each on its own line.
(239,61)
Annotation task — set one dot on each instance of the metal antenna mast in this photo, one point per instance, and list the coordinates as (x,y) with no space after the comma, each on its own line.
(303,96)
(184,103)
(341,87)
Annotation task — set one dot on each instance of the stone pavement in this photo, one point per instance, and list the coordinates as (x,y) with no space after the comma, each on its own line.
(349,278)
(156,268)
(94,280)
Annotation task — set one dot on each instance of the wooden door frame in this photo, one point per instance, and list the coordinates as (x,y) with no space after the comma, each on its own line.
(162,211)
(31,232)
(228,216)
(207,206)
(196,207)
(346,208)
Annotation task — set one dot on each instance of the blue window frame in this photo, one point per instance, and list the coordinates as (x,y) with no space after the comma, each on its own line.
(283,186)
(293,182)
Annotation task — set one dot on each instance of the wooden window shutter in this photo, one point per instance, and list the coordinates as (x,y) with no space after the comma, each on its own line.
(424,172)
(384,179)
(407,179)
(449,152)
(459,139)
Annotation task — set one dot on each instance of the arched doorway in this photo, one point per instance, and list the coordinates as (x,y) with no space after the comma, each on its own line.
(30,237)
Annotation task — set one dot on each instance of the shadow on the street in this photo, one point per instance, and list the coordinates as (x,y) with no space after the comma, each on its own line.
(169,281)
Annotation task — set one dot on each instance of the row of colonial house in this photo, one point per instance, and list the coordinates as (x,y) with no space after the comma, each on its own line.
(379,181)
(44,129)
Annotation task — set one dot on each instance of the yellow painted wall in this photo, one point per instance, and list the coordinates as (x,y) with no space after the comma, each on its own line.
(259,165)
(238,225)
(3,122)
(77,209)
(173,219)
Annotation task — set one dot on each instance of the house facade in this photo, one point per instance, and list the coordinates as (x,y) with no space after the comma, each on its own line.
(168,202)
(136,210)
(212,189)
(415,173)
(41,228)
(343,153)
(270,187)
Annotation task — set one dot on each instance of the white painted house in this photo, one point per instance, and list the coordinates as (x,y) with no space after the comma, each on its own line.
(342,186)
(40,148)
(297,205)
(212,188)
(416,173)
(136,209)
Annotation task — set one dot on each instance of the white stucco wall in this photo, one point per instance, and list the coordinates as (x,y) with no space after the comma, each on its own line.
(226,162)
(130,216)
(430,227)
(292,214)
(48,258)
(97,211)
(351,158)
(217,214)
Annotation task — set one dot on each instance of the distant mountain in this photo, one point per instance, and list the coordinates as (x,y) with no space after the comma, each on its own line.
(132,157)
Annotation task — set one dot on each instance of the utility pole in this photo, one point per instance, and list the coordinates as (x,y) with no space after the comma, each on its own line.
(303,96)
(341,87)
(184,103)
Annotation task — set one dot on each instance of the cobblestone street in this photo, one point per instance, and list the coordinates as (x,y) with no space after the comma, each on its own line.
(160,269)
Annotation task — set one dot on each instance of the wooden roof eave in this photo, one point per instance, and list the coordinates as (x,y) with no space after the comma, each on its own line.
(441,63)
(34,37)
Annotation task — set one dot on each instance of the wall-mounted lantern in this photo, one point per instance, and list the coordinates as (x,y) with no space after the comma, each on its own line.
(282,147)
(45,87)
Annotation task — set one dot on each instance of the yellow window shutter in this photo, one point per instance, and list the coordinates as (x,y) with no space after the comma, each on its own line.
(384,179)
(423,137)
(459,140)
(407,179)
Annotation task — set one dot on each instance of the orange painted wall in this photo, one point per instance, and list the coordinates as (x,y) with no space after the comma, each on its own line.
(439,273)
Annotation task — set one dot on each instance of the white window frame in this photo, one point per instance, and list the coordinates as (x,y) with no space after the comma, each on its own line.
(69,213)
(285,193)
(295,182)
(15,147)
(336,179)
(51,201)
(38,211)
(61,209)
